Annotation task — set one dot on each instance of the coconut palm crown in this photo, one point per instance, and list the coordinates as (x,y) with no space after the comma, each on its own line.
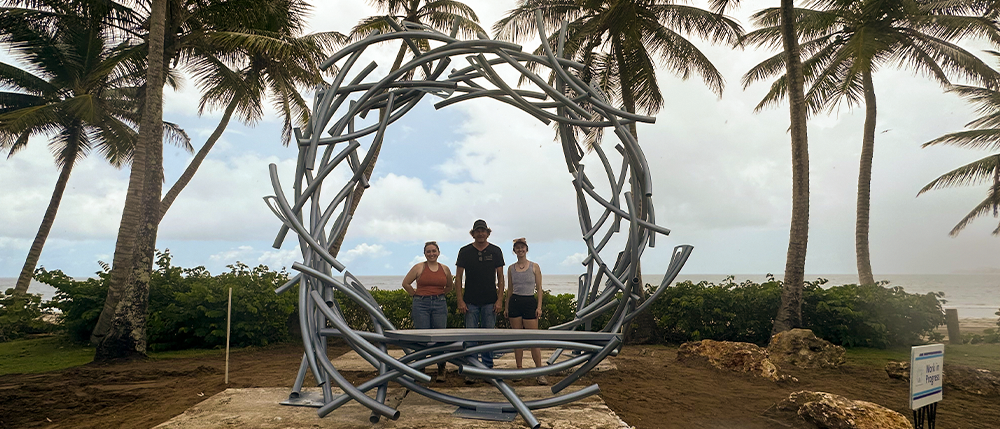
(73,84)
(622,42)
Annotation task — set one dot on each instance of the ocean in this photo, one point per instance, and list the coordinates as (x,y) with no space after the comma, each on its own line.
(974,295)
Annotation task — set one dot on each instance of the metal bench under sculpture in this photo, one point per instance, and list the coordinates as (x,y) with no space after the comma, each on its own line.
(603,289)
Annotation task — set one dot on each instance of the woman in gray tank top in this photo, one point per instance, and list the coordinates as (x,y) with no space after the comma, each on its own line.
(524,299)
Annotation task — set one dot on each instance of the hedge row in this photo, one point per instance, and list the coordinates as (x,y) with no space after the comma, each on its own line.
(187,306)
(187,309)
(848,315)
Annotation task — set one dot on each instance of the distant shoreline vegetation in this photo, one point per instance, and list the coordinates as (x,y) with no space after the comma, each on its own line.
(187,310)
(974,295)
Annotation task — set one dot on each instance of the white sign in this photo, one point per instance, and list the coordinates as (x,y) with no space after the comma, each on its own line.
(926,374)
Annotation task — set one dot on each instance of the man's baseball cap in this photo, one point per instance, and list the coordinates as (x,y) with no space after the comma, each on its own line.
(480,224)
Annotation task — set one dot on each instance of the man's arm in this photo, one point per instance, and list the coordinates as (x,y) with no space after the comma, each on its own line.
(459,271)
(498,308)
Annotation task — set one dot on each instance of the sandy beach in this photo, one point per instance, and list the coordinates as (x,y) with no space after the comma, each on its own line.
(970,325)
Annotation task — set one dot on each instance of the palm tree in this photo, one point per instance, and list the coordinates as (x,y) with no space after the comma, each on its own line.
(76,87)
(985,134)
(126,338)
(441,15)
(793,283)
(240,54)
(846,41)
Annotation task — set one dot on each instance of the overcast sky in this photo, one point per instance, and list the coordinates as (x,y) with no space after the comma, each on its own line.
(721,183)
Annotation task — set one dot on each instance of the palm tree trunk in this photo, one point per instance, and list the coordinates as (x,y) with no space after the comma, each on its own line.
(861,246)
(127,337)
(790,311)
(644,321)
(124,245)
(359,191)
(199,157)
(130,220)
(35,252)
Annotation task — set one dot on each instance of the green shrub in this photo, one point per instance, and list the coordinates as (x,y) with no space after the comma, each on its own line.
(728,311)
(21,315)
(871,315)
(988,336)
(188,309)
(187,306)
(557,309)
(849,315)
(80,302)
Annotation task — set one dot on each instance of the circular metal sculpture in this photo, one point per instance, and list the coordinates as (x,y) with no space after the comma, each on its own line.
(330,140)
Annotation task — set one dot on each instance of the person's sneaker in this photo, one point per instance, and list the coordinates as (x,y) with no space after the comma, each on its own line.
(542,381)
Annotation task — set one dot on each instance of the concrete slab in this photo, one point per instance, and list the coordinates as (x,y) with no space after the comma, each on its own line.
(350,361)
(259,408)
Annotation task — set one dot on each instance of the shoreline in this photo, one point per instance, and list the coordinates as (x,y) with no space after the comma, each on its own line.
(973,324)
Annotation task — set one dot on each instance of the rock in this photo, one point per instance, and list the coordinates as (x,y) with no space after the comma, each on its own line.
(802,348)
(826,410)
(981,382)
(732,356)
(898,370)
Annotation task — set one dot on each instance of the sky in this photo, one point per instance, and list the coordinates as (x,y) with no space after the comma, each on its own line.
(721,182)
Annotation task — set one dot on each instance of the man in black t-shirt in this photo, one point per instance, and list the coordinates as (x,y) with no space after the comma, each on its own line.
(480,297)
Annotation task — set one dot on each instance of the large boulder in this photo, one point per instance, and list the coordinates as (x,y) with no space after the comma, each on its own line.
(732,356)
(829,411)
(981,382)
(802,348)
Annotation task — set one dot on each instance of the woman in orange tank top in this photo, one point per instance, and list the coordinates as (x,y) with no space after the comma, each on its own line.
(434,280)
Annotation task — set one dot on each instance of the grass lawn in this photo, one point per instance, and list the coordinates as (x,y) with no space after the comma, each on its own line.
(982,356)
(54,353)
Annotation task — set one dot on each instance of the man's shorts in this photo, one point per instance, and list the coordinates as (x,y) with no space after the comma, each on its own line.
(522,306)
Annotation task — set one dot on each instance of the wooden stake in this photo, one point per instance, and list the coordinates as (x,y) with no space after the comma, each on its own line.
(229,319)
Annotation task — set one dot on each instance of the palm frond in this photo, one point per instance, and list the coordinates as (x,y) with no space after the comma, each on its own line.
(984,208)
(987,138)
(12,77)
(973,173)
(519,25)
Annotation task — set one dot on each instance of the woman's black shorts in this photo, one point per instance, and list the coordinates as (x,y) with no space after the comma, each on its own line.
(522,306)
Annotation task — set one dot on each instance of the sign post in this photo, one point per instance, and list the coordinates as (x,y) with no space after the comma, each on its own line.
(926,381)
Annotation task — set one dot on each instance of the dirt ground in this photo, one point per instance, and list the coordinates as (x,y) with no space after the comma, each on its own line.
(648,390)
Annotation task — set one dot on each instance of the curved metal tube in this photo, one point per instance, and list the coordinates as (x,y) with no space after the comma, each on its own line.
(573,104)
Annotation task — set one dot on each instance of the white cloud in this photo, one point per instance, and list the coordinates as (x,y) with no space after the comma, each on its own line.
(366,251)
(224,201)
(574,260)
(276,259)
(241,253)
